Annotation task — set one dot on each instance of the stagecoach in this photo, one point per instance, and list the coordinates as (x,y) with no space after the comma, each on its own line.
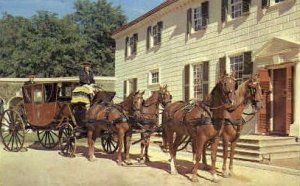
(47,109)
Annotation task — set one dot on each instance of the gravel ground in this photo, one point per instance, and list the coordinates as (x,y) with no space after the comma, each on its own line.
(38,166)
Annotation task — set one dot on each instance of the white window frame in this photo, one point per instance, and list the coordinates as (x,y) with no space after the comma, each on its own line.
(235,8)
(236,64)
(130,46)
(192,92)
(150,77)
(197,19)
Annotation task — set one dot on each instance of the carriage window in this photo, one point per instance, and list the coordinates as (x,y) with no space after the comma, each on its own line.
(38,95)
(50,92)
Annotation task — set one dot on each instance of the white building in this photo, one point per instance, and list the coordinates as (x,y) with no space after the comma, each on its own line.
(186,43)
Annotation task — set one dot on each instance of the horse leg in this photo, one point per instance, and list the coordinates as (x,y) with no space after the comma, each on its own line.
(91,144)
(198,145)
(232,152)
(204,160)
(225,156)
(147,147)
(214,149)
(175,145)
(127,147)
(169,137)
(141,158)
(121,135)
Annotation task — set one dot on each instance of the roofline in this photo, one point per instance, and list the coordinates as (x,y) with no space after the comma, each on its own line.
(144,16)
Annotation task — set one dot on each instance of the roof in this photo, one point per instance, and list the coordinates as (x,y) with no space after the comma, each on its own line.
(276,46)
(163,5)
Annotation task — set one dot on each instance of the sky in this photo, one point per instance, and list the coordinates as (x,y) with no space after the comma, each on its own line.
(132,8)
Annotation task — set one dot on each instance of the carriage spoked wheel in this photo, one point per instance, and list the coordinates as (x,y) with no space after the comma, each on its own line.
(109,142)
(12,130)
(186,140)
(67,140)
(48,138)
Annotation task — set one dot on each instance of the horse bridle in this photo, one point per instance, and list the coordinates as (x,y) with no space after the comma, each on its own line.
(161,100)
(225,94)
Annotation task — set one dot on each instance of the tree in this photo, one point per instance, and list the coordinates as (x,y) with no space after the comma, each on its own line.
(97,21)
(49,46)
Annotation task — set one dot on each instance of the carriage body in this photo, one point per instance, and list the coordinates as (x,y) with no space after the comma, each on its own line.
(45,108)
(47,105)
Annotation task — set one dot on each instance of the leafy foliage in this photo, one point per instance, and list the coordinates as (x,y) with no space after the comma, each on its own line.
(49,46)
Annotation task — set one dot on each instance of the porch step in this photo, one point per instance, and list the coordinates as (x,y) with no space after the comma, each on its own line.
(263,148)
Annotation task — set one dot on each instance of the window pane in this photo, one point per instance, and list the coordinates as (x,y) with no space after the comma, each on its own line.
(237,66)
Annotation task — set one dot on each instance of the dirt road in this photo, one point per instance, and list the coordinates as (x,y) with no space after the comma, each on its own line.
(39,167)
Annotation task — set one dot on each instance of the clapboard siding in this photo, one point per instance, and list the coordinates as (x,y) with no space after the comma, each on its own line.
(176,50)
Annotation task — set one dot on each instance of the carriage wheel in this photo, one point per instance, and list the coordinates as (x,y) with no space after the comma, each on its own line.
(184,143)
(67,140)
(12,130)
(109,142)
(48,138)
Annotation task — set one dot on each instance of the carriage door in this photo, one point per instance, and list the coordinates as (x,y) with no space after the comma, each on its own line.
(282,92)
(264,114)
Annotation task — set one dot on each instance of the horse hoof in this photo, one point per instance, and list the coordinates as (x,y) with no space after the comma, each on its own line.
(142,161)
(216,179)
(128,162)
(147,160)
(194,179)
(119,162)
(92,159)
(226,174)
(174,172)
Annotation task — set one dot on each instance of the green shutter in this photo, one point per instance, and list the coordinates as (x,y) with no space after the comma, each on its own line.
(148,37)
(224,10)
(189,21)
(248,64)
(187,82)
(205,13)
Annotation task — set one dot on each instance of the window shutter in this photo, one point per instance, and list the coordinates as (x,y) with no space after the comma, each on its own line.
(265,3)
(205,13)
(126,47)
(135,41)
(246,6)
(205,79)
(222,66)
(187,82)
(134,84)
(159,27)
(224,9)
(189,21)
(289,97)
(148,37)
(124,89)
(248,65)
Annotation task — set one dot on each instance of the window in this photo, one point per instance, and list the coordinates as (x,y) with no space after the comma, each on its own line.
(268,3)
(200,81)
(242,66)
(130,86)
(154,77)
(236,8)
(199,20)
(131,45)
(237,66)
(154,34)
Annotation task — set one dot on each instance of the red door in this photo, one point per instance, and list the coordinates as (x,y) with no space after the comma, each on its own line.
(282,95)
(264,114)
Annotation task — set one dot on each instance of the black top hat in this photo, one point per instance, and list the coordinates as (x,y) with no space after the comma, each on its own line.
(86,64)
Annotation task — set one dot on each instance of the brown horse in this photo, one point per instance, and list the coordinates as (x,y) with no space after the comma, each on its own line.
(249,91)
(103,117)
(182,119)
(148,119)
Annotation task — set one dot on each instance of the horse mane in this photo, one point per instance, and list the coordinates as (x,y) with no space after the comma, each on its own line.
(150,100)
